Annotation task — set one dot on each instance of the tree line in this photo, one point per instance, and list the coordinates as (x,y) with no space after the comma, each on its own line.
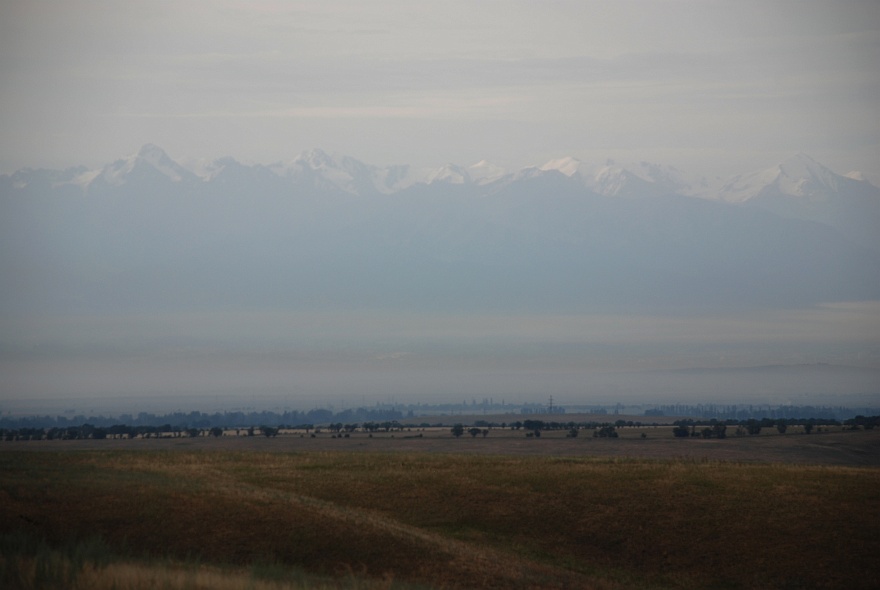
(752,427)
(757,412)
(94,432)
(206,420)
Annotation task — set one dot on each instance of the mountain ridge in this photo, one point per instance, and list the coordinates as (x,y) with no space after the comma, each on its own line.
(609,178)
(329,231)
(796,188)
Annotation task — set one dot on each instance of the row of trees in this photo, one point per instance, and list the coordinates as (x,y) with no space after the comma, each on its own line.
(208,420)
(752,427)
(743,412)
(91,431)
(459,430)
(396,412)
(683,428)
(533,428)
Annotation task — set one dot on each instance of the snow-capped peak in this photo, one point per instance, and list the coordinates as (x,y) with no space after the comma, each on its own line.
(450,173)
(158,159)
(798,176)
(208,170)
(149,157)
(567,165)
(152,154)
(801,165)
(611,180)
(484,172)
(316,159)
(669,178)
(618,180)
(318,167)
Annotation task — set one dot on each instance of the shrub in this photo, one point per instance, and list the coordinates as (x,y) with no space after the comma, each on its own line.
(681,431)
(607,431)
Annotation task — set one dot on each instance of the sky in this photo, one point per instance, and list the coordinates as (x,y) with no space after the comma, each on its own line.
(712,87)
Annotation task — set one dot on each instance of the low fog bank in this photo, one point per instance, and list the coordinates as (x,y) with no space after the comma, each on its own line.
(233,359)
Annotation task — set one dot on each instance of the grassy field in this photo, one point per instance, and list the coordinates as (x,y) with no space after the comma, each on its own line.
(273,513)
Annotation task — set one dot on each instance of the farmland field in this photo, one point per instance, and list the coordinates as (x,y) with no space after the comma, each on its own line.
(433,511)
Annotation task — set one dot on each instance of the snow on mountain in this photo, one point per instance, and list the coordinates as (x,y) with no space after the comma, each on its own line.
(613,179)
(319,169)
(671,179)
(616,181)
(156,157)
(568,166)
(450,173)
(208,170)
(801,188)
(541,237)
(37,180)
(391,179)
(150,160)
(86,178)
(485,172)
(530,172)
(872,178)
(798,176)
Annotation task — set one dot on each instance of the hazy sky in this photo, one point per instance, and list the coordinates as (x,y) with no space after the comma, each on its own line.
(275,359)
(717,86)
(709,86)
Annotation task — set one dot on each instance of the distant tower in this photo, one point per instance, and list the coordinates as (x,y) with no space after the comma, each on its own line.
(550,409)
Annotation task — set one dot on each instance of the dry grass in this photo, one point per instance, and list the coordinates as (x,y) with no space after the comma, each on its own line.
(59,571)
(831,447)
(460,520)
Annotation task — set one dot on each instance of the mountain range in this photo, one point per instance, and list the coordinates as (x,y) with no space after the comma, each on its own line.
(329,231)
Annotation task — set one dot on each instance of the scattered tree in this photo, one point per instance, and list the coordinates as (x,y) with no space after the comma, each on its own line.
(681,431)
(607,431)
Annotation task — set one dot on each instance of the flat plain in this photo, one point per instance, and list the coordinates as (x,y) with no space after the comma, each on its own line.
(419,508)
(833,446)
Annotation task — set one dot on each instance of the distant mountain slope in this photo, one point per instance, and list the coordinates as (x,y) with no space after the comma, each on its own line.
(329,231)
(801,188)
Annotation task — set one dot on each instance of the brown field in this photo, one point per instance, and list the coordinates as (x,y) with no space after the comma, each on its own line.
(505,511)
(833,446)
